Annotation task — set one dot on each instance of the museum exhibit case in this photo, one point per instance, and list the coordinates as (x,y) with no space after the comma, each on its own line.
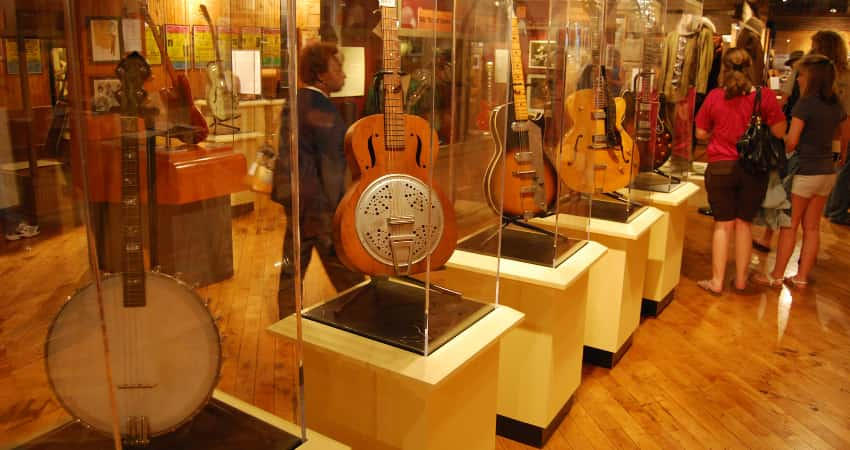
(142,249)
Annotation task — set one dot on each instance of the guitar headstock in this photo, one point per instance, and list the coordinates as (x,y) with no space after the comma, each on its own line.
(133,70)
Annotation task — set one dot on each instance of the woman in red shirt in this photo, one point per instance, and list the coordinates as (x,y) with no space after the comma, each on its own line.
(734,195)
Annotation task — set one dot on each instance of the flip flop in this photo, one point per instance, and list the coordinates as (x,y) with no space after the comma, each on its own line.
(706,286)
(765,279)
(796,283)
(760,247)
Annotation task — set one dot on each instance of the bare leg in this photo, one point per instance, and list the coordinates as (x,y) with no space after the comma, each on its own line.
(788,236)
(719,251)
(811,237)
(743,251)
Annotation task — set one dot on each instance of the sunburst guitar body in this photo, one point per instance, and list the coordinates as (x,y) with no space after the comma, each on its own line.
(391,219)
(594,158)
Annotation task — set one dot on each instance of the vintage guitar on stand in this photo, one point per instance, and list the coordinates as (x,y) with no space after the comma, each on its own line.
(597,152)
(161,346)
(222,85)
(645,118)
(518,158)
(392,219)
(185,121)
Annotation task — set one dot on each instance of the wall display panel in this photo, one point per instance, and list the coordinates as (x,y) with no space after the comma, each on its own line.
(159,176)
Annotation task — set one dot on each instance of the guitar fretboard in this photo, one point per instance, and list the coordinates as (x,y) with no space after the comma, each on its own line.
(517,77)
(393,98)
(132,252)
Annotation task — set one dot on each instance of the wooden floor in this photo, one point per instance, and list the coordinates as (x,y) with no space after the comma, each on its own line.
(767,370)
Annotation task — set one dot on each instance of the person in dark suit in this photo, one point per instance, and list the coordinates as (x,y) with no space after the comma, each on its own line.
(321,173)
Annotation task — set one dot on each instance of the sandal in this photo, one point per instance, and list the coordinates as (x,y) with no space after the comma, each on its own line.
(765,279)
(796,283)
(760,247)
(706,286)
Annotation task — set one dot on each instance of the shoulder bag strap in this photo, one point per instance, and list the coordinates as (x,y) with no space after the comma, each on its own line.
(756,106)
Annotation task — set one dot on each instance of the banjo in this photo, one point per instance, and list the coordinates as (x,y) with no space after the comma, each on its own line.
(139,352)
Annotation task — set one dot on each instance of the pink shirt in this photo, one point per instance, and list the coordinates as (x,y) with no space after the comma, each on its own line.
(728,119)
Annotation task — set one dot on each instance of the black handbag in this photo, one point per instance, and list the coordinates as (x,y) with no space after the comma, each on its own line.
(759,151)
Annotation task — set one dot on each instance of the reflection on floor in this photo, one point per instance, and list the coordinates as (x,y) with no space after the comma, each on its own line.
(767,370)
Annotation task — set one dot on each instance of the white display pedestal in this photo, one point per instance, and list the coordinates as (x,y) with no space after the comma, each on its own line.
(666,242)
(540,360)
(616,281)
(701,199)
(374,396)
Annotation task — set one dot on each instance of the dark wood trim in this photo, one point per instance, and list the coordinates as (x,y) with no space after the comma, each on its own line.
(529,434)
(604,358)
(653,308)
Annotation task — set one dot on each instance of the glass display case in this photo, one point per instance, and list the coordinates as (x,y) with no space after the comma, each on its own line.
(142,249)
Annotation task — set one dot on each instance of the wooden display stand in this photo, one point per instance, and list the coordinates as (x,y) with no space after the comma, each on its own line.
(540,360)
(616,282)
(374,396)
(666,242)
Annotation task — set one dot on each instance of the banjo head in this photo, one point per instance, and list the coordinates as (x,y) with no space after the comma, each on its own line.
(164,357)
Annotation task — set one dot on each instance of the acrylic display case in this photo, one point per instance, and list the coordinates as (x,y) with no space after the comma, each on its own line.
(142,250)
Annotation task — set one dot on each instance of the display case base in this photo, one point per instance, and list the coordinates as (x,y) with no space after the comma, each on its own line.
(522,245)
(218,426)
(653,308)
(604,358)
(530,434)
(656,182)
(393,312)
(374,396)
(614,210)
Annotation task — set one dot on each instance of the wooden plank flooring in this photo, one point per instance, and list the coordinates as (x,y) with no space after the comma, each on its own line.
(767,370)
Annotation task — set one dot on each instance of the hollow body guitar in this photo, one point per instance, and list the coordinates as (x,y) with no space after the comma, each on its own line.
(598,155)
(392,219)
(518,158)
(148,333)
(222,84)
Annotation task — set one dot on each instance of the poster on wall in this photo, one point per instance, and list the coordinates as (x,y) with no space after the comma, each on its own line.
(105,39)
(131,30)
(251,37)
(354,66)
(33,50)
(11,56)
(271,47)
(177,45)
(152,53)
(202,46)
(104,98)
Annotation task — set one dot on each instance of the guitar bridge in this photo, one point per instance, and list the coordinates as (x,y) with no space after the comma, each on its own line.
(401,242)
(138,431)
(523,157)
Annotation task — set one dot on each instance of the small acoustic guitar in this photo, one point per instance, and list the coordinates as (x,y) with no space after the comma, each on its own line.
(222,84)
(392,220)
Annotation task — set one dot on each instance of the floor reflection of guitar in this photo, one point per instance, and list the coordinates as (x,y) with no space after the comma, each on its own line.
(597,153)
(223,85)
(392,219)
(139,343)
(185,121)
(528,176)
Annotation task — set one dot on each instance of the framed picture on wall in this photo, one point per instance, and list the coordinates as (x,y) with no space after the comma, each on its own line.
(103,90)
(541,54)
(539,90)
(105,39)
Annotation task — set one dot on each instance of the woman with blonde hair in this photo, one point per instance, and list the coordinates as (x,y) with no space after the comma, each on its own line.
(734,195)
(832,45)
(817,119)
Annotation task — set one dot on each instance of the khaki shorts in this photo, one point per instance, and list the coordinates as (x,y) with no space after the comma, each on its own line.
(808,185)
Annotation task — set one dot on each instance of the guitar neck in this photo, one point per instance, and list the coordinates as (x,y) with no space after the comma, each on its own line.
(132,253)
(157,36)
(600,87)
(490,69)
(213,31)
(393,99)
(517,77)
